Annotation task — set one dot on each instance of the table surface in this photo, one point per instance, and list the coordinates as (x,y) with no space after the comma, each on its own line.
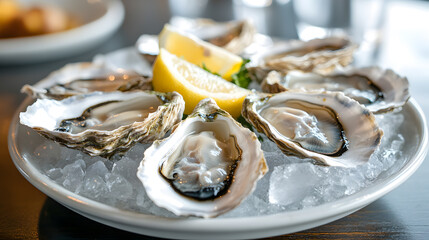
(26,213)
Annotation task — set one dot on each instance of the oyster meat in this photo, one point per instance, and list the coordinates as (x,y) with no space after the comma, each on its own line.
(206,167)
(328,127)
(378,89)
(318,55)
(86,77)
(105,123)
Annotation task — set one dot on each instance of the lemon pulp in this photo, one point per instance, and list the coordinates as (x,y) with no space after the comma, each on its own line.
(199,52)
(171,73)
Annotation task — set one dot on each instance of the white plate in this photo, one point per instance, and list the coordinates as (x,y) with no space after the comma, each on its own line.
(100,20)
(23,141)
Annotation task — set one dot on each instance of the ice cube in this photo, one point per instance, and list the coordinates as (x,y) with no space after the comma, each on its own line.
(390,123)
(73,174)
(310,200)
(54,173)
(353,181)
(136,152)
(252,206)
(47,155)
(97,169)
(93,187)
(127,168)
(70,155)
(155,210)
(118,187)
(398,143)
(266,144)
(291,183)
(141,199)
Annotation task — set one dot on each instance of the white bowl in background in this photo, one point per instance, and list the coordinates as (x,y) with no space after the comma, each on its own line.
(99,18)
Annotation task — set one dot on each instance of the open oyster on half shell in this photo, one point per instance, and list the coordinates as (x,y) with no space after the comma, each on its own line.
(317,55)
(87,77)
(328,127)
(378,89)
(105,123)
(206,167)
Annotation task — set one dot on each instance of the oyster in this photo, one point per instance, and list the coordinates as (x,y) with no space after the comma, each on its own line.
(318,55)
(148,47)
(86,77)
(105,123)
(329,127)
(379,90)
(206,167)
(233,36)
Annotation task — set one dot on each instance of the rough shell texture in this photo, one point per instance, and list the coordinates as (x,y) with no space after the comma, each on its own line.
(393,88)
(233,36)
(318,55)
(86,77)
(206,117)
(358,124)
(46,115)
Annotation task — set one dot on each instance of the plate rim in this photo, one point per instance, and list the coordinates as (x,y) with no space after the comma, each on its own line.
(189,225)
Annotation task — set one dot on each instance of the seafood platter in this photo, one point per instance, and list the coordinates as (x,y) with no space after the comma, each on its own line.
(307,139)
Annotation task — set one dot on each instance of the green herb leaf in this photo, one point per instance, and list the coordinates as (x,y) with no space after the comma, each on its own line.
(241,78)
(244,123)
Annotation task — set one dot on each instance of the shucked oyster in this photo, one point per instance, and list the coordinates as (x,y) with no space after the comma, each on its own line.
(331,128)
(105,123)
(206,167)
(79,78)
(318,55)
(379,90)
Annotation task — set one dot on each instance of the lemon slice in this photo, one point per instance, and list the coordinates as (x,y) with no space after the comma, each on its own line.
(171,73)
(199,52)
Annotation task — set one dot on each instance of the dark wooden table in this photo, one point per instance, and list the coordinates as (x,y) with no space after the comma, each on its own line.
(26,213)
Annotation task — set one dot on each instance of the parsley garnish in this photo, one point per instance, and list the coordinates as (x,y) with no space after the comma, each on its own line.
(244,123)
(241,78)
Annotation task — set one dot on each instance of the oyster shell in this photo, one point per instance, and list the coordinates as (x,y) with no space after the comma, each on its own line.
(206,167)
(233,36)
(317,55)
(328,127)
(86,77)
(148,46)
(378,89)
(105,123)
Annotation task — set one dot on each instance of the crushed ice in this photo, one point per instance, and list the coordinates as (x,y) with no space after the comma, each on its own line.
(291,183)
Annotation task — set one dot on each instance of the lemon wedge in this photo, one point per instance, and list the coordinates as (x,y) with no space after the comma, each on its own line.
(199,52)
(171,73)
